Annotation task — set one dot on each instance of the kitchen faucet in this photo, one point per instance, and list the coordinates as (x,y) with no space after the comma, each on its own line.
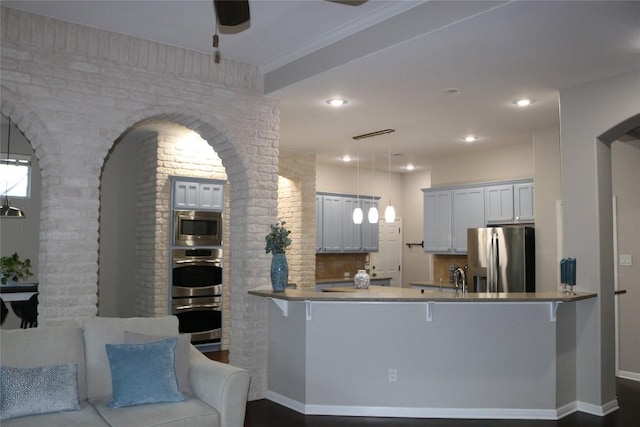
(457,274)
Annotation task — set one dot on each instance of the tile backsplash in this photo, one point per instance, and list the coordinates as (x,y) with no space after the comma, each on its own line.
(337,266)
(441,265)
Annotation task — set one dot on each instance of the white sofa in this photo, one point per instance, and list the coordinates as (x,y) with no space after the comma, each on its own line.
(218,391)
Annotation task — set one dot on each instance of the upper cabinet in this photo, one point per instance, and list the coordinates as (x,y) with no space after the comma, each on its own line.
(510,203)
(450,211)
(198,194)
(437,221)
(336,231)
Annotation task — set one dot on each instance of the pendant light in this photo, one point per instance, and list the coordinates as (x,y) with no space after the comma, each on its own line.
(357,212)
(389,211)
(373,211)
(8,211)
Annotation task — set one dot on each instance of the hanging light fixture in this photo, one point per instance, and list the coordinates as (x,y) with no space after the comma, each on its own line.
(389,211)
(373,210)
(8,211)
(357,212)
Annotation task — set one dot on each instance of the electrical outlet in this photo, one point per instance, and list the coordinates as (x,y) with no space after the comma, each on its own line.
(626,260)
(393,375)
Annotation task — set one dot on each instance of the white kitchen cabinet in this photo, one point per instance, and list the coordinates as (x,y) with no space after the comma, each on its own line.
(498,201)
(370,232)
(524,202)
(468,212)
(335,230)
(437,221)
(319,223)
(198,195)
(332,224)
(450,211)
(351,233)
(510,203)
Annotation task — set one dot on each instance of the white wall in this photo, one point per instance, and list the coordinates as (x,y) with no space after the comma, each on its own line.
(588,111)
(548,190)
(416,263)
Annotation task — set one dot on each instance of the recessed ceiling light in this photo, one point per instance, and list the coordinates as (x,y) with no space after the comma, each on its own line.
(523,102)
(470,138)
(452,91)
(337,102)
(347,158)
(409,167)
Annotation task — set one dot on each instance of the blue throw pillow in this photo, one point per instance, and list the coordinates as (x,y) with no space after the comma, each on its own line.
(41,390)
(143,373)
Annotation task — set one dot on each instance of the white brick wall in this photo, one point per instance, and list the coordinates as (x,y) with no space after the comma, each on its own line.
(297,206)
(74,90)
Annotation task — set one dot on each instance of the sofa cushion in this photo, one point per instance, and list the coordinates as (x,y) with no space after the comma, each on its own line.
(41,390)
(99,331)
(22,348)
(183,349)
(87,416)
(143,373)
(191,412)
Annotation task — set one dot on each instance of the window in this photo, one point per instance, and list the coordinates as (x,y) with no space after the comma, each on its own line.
(15,176)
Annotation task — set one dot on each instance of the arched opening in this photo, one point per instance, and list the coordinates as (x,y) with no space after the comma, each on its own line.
(623,140)
(24,189)
(135,219)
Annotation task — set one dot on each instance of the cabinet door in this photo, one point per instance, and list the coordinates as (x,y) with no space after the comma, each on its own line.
(210,196)
(498,201)
(185,195)
(523,201)
(437,221)
(468,212)
(318,223)
(351,233)
(370,232)
(331,224)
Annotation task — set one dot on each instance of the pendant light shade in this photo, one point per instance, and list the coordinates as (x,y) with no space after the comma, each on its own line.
(358,216)
(373,215)
(8,211)
(389,213)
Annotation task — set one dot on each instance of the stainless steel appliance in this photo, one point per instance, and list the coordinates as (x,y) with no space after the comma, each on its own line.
(501,259)
(197,293)
(197,228)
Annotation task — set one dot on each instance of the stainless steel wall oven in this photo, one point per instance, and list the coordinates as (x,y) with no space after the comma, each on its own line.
(197,293)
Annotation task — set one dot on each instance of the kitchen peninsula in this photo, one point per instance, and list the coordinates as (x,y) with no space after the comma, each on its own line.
(400,352)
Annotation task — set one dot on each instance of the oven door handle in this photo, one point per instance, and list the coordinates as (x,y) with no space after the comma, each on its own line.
(196,306)
(197,261)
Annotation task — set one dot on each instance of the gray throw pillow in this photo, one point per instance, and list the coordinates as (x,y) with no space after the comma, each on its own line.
(41,390)
(182,355)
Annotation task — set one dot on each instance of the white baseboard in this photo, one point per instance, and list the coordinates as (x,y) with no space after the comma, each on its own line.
(599,410)
(407,412)
(628,375)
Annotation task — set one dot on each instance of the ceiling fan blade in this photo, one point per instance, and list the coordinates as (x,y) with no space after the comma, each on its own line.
(232,12)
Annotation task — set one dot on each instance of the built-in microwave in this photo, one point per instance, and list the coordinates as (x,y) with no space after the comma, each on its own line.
(197,228)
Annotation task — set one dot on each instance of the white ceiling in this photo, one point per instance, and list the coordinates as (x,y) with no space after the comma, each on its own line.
(393,59)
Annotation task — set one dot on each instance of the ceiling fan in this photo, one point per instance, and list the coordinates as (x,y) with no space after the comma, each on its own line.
(235,12)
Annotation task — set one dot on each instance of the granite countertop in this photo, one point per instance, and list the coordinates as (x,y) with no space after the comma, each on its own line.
(387,294)
(433,284)
(347,279)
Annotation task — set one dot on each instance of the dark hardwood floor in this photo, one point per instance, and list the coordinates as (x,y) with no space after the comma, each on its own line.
(264,413)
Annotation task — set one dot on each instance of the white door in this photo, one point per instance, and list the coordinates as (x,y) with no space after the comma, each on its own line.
(387,261)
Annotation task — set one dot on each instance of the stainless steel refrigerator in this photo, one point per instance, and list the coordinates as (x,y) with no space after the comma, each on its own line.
(501,259)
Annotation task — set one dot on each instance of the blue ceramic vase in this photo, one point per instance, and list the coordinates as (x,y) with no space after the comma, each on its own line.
(279,272)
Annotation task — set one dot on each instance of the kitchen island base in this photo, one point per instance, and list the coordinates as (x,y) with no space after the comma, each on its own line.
(429,359)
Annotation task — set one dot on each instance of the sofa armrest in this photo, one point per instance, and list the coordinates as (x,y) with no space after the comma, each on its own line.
(222,386)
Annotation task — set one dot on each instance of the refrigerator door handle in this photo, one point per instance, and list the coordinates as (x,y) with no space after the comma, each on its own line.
(493,280)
